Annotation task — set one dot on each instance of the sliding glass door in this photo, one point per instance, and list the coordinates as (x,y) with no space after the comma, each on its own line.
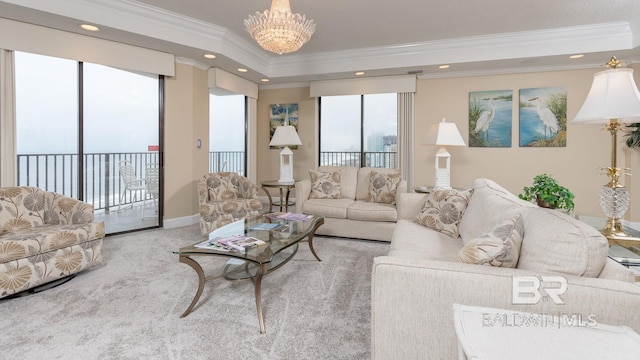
(91,132)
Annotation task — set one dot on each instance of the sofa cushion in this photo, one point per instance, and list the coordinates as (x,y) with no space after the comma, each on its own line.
(333,208)
(382,187)
(555,242)
(325,185)
(490,205)
(348,179)
(221,187)
(412,240)
(443,210)
(42,239)
(364,175)
(367,211)
(499,247)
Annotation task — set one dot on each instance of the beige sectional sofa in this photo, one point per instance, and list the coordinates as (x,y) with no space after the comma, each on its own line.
(44,236)
(415,286)
(353,214)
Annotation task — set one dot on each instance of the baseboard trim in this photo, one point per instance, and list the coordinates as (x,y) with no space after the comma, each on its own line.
(181,221)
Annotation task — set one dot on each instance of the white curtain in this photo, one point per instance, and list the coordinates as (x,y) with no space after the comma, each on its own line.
(405,136)
(7,120)
(252,139)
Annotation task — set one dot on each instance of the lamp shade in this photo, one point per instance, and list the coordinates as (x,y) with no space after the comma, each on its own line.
(444,134)
(613,95)
(285,136)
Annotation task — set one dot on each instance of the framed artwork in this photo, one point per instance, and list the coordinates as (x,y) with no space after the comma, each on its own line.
(280,114)
(543,117)
(490,118)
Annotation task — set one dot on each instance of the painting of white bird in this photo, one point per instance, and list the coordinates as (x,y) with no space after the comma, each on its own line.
(546,116)
(543,117)
(490,118)
(485,119)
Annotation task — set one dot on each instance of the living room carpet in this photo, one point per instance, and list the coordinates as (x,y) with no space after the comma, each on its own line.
(129,307)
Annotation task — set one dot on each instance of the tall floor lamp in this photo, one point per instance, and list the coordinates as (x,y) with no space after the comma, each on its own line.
(613,100)
(286,136)
(443,134)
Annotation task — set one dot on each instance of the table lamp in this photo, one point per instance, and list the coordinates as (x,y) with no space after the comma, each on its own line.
(443,134)
(612,101)
(285,135)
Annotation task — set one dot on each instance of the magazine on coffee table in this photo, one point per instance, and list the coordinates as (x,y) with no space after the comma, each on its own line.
(289,216)
(234,243)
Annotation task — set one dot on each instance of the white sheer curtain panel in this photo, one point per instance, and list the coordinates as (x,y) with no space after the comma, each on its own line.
(405,136)
(7,120)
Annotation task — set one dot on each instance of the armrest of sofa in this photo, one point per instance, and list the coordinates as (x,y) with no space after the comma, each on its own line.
(409,205)
(303,190)
(401,189)
(67,210)
(411,303)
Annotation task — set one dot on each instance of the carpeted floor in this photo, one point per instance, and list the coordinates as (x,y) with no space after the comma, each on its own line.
(129,307)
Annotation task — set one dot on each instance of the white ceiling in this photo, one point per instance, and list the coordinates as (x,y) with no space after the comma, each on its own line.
(380,37)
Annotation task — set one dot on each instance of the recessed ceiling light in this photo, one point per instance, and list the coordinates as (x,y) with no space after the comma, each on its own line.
(242,70)
(90,27)
(443,66)
(264,80)
(359,73)
(576,56)
(209,56)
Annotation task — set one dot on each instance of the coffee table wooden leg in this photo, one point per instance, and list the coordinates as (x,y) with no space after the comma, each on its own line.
(201,280)
(257,283)
(310,239)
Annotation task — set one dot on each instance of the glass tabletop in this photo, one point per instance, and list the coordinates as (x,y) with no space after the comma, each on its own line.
(284,234)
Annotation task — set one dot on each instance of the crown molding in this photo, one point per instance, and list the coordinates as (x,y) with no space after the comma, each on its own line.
(593,38)
(194,63)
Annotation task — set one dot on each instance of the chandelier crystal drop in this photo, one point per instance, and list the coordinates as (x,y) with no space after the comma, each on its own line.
(278,30)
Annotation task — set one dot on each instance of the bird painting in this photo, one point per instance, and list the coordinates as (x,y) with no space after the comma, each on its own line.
(485,119)
(546,116)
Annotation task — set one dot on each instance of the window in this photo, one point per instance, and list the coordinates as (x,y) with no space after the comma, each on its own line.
(78,124)
(359,130)
(227,135)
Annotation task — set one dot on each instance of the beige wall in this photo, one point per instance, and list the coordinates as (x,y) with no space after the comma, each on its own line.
(186,119)
(576,166)
(303,157)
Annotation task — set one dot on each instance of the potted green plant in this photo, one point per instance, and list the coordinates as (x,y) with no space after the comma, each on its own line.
(548,193)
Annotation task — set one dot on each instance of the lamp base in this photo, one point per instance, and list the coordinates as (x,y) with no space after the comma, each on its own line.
(613,229)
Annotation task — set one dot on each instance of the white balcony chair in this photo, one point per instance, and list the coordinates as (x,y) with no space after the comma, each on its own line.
(152,186)
(132,184)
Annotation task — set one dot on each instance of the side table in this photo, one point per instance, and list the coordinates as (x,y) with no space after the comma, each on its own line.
(280,186)
(486,333)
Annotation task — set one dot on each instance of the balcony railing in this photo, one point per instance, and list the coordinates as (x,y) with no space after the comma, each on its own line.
(101,178)
(379,159)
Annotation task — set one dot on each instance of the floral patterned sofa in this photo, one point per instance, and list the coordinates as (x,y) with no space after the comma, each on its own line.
(224,198)
(44,236)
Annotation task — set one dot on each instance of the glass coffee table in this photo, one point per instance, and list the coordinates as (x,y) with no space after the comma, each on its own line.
(281,245)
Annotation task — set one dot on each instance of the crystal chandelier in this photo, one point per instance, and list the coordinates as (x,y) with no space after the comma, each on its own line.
(279,30)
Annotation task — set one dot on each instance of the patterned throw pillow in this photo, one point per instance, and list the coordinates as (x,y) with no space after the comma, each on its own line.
(325,185)
(382,187)
(443,210)
(499,247)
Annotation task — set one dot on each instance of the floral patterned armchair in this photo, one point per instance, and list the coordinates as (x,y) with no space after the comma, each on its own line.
(224,198)
(44,236)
